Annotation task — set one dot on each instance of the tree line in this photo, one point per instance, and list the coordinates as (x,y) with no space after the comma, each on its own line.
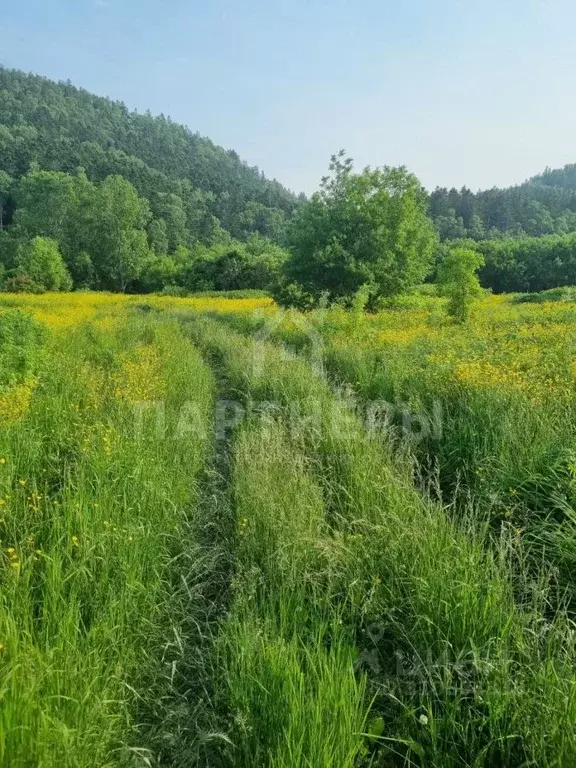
(544,205)
(104,236)
(368,230)
(95,196)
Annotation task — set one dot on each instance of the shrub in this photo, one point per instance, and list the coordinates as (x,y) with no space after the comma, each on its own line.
(528,263)
(234,266)
(40,259)
(20,282)
(567,293)
(459,282)
(293,295)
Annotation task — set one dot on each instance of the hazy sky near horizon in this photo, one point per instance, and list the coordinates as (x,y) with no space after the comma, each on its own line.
(460,91)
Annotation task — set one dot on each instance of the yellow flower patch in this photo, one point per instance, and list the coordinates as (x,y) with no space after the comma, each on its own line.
(142,378)
(15,401)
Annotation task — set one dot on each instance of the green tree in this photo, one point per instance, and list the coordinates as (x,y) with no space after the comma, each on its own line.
(82,270)
(158,237)
(170,208)
(8,249)
(369,228)
(450,226)
(268,222)
(61,207)
(45,202)
(41,261)
(476,229)
(119,248)
(458,281)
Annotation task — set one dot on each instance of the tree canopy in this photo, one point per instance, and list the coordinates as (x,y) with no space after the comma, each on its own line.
(362,229)
(40,261)
(138,203)
(541,206)
(187,180)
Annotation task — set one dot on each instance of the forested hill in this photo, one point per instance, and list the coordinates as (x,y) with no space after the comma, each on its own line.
(192,183)
(58,127)
(543,205)
(95,196)
(559,177)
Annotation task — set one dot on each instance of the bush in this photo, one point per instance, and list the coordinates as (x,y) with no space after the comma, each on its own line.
(567,293)
(458,281)
(158,272)
(234,266)
(41,261)
(530,264)
(20,282)
(426,289)
(293,295)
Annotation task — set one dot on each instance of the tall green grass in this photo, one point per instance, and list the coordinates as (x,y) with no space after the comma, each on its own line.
(511,458)
(463,667)
(287,662)
(91,534)
(278,595)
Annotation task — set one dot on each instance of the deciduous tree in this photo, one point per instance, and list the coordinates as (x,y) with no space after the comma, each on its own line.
(368,228)
(41,261)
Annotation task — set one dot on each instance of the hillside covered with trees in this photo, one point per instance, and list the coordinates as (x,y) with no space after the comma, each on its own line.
(81,169)
(95,196)
(544,205)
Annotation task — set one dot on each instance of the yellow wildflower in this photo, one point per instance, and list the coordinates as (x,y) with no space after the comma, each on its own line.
(15,401)
(142,378)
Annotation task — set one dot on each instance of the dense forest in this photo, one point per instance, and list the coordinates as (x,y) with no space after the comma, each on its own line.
(93,195)
(57,127)
(121,192)
(544,205)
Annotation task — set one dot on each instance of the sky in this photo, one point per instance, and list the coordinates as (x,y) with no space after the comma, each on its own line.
(463,92)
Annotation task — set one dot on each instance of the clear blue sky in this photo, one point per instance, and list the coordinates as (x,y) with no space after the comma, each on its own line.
(476,92)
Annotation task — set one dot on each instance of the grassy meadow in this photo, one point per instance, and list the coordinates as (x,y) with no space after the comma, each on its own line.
(235,536)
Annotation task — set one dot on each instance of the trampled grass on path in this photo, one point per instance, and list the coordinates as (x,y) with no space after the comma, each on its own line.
(459,671)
